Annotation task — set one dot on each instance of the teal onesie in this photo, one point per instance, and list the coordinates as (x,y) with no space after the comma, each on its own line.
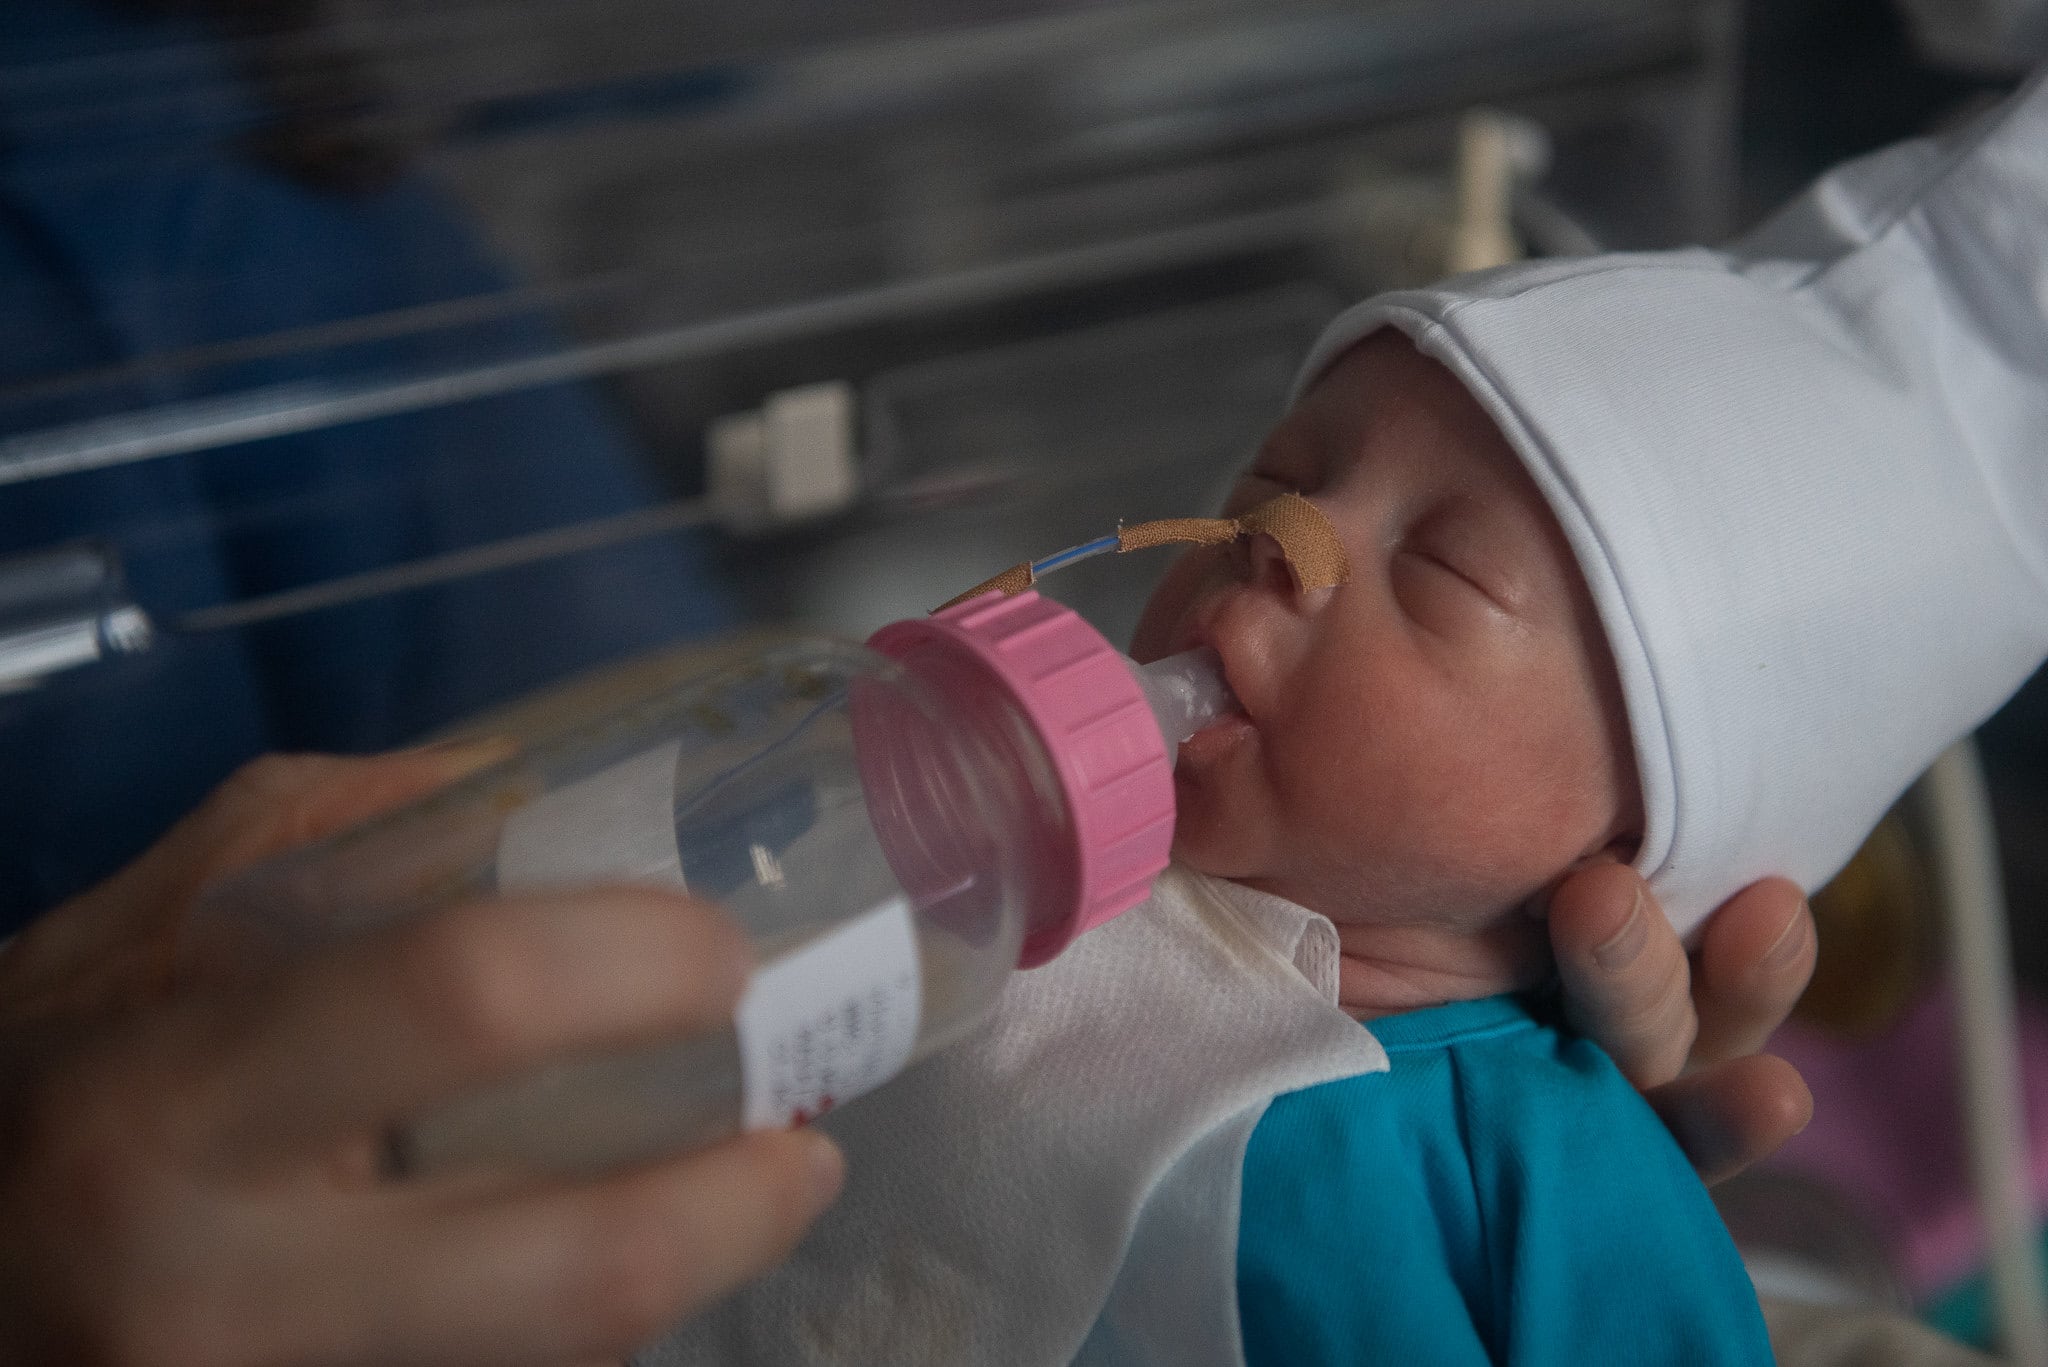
(1502,1195)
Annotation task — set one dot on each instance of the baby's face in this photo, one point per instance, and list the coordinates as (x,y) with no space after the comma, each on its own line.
(1441,736)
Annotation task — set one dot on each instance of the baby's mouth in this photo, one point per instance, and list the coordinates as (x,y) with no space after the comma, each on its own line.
(1219,737)
(1204,635)
(1188,692)
(1231,722)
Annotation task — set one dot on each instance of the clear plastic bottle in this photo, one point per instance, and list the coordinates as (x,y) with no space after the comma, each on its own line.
(897,827)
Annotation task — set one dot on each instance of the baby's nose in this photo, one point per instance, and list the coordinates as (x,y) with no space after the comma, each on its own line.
(1304,539)
(1267,563)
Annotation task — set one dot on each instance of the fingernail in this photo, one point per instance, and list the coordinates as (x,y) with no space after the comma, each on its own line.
(1790,944)
(827,1170)
(1621,949)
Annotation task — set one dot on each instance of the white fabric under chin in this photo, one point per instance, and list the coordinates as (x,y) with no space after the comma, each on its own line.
(1063,1185)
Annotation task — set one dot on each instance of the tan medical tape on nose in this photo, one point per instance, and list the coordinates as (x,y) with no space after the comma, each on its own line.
(1306,539)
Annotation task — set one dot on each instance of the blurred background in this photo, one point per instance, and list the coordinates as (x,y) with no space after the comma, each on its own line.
(367,365)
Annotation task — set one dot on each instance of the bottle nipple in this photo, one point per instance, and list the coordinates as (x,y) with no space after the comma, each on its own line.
(1186,692)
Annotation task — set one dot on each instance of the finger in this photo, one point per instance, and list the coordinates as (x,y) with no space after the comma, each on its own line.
(582,1271)
(280,801)
(1626,982)
(118,938)
(357,1039)
(1730,1115)
(1755,956)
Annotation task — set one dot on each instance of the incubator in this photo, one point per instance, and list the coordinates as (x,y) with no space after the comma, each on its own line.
(368,366)
(897,827)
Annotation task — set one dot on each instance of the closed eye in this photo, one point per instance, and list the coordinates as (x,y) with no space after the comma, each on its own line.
(1458,572)
(1457,540)
(1440,595)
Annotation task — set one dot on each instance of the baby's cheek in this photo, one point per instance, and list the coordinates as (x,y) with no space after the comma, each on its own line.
(1408,783)
(1338,781)
(1520,810)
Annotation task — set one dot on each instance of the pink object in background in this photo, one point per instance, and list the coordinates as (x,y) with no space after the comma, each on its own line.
(1887,1133)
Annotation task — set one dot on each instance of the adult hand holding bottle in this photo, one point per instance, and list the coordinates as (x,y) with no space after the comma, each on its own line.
(195,1178)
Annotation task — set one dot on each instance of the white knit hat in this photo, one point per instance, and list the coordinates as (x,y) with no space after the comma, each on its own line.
(1812,507)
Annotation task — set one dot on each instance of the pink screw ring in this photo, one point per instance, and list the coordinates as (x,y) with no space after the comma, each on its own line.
(1111,763)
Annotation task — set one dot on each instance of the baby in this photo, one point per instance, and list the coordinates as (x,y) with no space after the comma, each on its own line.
(1424,751)
(1691,560)
(1712,628)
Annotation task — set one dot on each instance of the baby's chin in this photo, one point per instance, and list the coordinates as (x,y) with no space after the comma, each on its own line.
(1198,844)
(1195,856)
(1365,896)
(1212,831)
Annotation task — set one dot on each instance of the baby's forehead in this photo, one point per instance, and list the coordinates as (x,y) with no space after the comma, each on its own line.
(1384,424)
(1386,413)
(1384,400)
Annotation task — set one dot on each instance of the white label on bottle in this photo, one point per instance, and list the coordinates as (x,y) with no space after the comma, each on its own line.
(831,1020)
(618,826)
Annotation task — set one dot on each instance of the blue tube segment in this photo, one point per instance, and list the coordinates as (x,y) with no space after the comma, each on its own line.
(1060,559)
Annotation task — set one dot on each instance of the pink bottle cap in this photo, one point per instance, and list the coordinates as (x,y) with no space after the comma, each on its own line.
(1107,757)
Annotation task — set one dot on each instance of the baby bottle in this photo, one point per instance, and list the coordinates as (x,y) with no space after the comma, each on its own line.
(896,826)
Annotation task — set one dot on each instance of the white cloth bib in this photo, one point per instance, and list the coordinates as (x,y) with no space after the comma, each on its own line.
(1064,1183)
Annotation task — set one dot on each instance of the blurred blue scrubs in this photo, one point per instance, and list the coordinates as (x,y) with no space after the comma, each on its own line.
(131,224)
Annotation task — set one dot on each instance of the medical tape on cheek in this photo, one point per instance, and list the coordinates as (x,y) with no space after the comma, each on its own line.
(1307,541)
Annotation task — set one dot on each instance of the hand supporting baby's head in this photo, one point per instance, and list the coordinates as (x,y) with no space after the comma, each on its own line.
(1431,744)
